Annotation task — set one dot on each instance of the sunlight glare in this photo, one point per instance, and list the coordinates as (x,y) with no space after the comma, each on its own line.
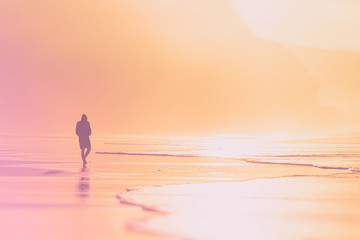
(236,146)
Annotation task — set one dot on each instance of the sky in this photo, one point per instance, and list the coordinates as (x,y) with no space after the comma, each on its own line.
(164,67)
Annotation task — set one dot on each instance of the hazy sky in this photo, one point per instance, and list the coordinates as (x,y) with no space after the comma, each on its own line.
(170,66)
(327,24)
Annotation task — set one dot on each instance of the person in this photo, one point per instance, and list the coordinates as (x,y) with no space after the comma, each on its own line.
(83,130)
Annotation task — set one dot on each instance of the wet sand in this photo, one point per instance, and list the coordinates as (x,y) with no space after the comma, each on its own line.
(46,194)
(279,209)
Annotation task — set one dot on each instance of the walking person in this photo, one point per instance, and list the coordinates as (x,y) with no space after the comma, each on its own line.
(83,130)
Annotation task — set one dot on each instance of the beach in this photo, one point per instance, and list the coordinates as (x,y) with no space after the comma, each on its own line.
(218,187)
(206,120)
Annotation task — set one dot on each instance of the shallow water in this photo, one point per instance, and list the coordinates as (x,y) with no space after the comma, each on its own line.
(324,152)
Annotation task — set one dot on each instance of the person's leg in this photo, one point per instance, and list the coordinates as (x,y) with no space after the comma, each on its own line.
(83,155)
(87,152)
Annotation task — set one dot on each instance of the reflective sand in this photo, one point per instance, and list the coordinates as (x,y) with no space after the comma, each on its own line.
(286,208)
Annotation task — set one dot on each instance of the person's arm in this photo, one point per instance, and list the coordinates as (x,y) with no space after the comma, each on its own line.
(77,129)
(89,130)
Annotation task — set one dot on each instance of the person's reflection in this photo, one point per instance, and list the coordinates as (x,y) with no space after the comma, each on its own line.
(84,183)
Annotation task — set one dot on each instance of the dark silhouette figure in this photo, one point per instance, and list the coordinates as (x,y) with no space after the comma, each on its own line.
(83,130)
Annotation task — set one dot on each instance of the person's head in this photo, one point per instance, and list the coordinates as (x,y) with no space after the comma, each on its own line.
(83,117)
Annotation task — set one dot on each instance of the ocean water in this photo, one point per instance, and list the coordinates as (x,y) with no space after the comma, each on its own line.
(326,152)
